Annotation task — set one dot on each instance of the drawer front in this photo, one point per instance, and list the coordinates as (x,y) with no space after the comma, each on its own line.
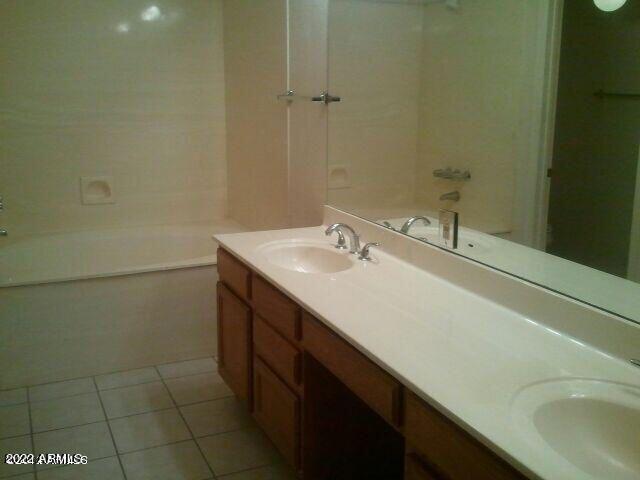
(277,411)
(276,309)
(280,355)
(234,343)
(373,385)
(449,448)
(235,274)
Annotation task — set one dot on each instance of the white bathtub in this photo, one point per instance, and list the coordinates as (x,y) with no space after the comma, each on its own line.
(84,303)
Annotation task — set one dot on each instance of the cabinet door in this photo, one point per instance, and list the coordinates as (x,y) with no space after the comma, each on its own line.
(234,343)
(277,410)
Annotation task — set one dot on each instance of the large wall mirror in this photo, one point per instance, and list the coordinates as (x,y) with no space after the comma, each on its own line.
(521,115)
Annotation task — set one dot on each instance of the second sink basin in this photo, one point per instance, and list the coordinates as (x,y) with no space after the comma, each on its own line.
(593,424)
(307,257)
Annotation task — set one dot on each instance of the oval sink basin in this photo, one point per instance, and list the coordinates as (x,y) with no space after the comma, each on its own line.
(595,425)
(308,257)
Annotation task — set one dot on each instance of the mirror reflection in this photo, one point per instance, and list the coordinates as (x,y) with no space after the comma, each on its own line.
(522,117)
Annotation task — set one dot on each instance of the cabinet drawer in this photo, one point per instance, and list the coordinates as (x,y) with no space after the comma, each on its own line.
(280,355)
(234,343)
(450,449)
(277,411)
(368,381)
(235,274)
(276,308)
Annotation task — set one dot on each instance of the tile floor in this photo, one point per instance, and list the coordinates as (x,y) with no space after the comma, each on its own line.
(169,422)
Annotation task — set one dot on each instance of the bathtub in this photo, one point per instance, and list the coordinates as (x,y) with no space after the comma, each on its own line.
(91,302)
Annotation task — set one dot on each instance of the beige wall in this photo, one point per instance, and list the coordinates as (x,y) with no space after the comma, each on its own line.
(255,46)
(477,65)
(111,88)
(374,57)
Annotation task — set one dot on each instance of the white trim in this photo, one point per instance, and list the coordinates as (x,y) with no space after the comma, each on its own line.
(532,184)
(633,271)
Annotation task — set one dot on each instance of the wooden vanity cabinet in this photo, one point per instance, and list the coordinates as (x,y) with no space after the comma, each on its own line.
(331,411)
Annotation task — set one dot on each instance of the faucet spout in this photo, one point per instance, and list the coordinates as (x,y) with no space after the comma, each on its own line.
(344,229)
(409,223)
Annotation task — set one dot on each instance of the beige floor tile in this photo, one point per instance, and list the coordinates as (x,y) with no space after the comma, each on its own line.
(13,397)
(198,388)
(179,461)
(93,440)
(128,378)
(14,420)
(189,367)
(148,430)
(240,450)
(272,472)
(66,412)
(216,416)
(103,469)
(61,389)
(147,397)
(14,445)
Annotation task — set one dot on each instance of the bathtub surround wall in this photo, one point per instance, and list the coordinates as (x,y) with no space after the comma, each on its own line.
(478,68)
(255,43)
(427,86)
(127,89)
(374,65)
(276,150)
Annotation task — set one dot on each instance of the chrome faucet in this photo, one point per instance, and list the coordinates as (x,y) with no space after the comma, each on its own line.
(3,232)
(409,223)
(455,196)
(342,229)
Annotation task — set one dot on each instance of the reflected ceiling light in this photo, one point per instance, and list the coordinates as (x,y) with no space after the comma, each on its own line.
(150,14)
(123,27)
(609,5)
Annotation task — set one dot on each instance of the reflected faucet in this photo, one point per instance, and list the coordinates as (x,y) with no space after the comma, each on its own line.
(455,196)
(343,228)
(409,223)
(3,232)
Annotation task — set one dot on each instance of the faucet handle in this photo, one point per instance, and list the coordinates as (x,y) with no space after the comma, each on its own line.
(364,253)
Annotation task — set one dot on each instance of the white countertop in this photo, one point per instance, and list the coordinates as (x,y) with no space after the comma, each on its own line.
(464,354)
(606,291)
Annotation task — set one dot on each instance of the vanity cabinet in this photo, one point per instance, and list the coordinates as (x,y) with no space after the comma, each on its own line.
(330,410)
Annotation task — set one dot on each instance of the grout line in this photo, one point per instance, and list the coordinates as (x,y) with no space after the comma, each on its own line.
(193,437)
(126,416)
(113,440)
(109,373)
(33,443)
(156,380)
